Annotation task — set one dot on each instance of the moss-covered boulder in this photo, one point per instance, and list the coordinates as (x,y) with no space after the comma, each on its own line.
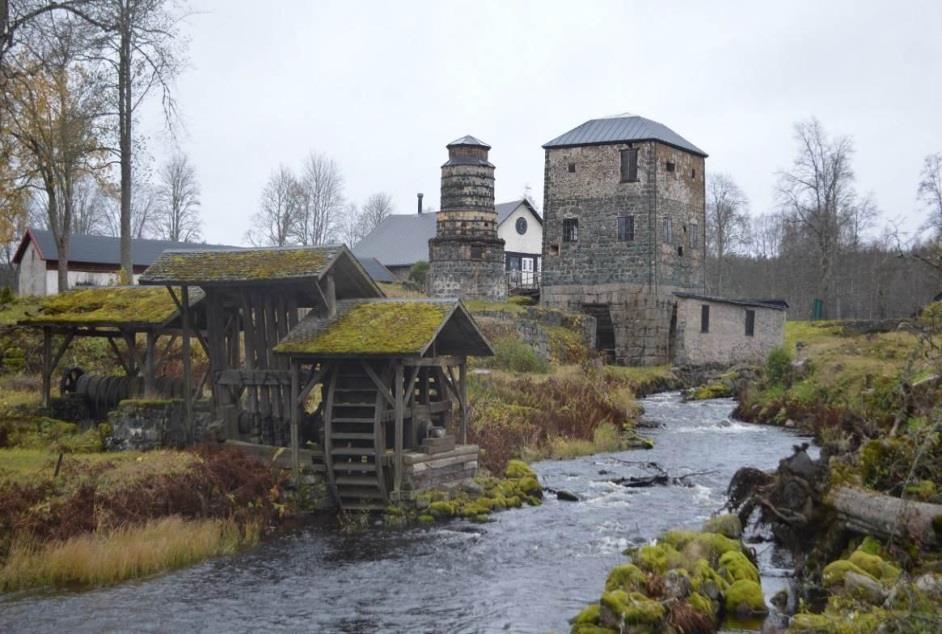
(744,599)
(735,566)
(833,574)
(631,612)
(875,566)
(627,577)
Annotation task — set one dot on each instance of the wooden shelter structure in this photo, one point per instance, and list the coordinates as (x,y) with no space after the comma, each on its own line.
(118,314)
(393,376)
(252,299)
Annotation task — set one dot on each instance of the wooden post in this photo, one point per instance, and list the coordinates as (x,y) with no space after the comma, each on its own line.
(397,396)
(47,362)
(463,392)
(295,415)
(187,366)
(331,296)
(150,384)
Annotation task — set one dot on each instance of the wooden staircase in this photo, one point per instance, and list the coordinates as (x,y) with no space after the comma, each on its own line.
(355,439)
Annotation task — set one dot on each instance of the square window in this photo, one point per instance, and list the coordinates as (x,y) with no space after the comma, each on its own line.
(669,166)
(629,165)
(750,323)
(572,168)
(704,318)
(477,253)
(626,228)
(570,230)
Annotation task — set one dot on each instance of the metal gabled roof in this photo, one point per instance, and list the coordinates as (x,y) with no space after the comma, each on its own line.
(469,140)
(622,129)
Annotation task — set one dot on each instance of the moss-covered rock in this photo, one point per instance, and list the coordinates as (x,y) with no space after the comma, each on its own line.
(727,525)
(834,573)
(694,545)
(627,577)
(658,558)
(744,599)
(619,609)
(735,566)
(875,566)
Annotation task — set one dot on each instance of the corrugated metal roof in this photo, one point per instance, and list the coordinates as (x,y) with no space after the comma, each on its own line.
(90,249)
(622,129)
(775,304)
(469,140)
(402,239)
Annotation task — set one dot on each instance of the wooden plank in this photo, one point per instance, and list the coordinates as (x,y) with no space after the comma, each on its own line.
(424,362)
(120,357)
(295,416)
(280,456)
(187,366)
(246,377)
(47,366)
(463,400)
(378,383)
(150,362)
(462,452)
(328,428)
(316,378)
(331,296)
(398,405)
(410,386)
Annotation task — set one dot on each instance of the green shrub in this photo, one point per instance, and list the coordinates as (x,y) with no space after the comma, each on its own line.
(778,367)
(515,355)
(418,276)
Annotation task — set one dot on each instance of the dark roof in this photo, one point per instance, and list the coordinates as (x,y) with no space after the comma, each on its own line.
(774,304)
(377,271)
(469,140)
(387,327)
(622,129)
(402,239)
(88,249)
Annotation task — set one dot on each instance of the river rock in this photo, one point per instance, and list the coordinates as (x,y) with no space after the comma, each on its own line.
(472,488)
(676,584)
(567,496)
(931,585)
(863,587)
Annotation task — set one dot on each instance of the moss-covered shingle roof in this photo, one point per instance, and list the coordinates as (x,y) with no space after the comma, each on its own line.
(240,265)
(387,328)
(109,306)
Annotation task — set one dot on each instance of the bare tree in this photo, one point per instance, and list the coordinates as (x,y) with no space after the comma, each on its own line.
(90,207)
(143,208)
(817,192)
(375,210)
(53,107)
(321,203)
(727,223)
(858,217)
(930,191)
(349,228)
(141,45)
(766,235)
(178,198)
(276,222)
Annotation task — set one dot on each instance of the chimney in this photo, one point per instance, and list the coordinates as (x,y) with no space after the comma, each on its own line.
(420,202)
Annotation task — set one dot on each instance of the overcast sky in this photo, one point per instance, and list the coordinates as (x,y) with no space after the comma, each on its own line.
(383,86)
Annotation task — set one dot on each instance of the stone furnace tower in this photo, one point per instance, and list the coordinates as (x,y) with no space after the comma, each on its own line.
(466,258)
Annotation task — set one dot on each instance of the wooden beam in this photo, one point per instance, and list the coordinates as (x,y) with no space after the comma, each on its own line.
(379,384)
(295,419)
(245,377)
(331,296)
(397,392)
(150,365)
(120,357)
(47,369)
(57,357)
(463,400)
(187,366)
(316,377)
(441,361)
(410,386)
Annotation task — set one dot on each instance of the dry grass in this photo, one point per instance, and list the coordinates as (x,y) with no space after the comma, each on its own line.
(106,558)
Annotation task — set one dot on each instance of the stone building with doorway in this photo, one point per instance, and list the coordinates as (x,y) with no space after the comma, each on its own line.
(624,232)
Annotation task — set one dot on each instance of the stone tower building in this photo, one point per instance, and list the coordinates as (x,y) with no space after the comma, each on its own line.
(624,222)
(466,258)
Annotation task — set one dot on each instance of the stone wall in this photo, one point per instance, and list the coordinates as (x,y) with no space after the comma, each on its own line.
(422,471)
(155,424)
(726,342)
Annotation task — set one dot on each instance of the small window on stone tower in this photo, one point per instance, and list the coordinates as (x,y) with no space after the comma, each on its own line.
(668,231)
(669,166)
(705,318)
(750,323)
(626,228)
(570,230)
(629,165)
(477,253)
(572,168)
(693,173)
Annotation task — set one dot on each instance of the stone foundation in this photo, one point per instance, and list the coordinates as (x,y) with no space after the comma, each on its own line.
(156,424)
(641,317)
(469,269)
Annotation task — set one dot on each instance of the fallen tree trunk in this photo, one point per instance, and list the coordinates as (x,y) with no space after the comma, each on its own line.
(885,516)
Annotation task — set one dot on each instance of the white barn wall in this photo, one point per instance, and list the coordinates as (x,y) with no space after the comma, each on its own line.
(32,276)
(530,242)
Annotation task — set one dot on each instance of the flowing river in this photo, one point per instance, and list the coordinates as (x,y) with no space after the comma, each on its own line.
(528,570)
